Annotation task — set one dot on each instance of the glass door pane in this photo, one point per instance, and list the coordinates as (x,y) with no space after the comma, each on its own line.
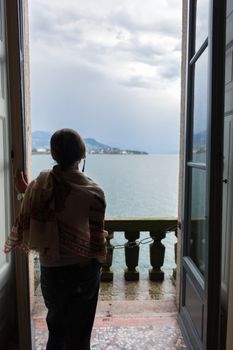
(198,218)
(200,108)
(202,10)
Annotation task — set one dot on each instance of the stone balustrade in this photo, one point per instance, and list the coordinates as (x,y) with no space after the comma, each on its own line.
(131,228)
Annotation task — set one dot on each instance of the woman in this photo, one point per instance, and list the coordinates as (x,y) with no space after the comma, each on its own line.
(62,217)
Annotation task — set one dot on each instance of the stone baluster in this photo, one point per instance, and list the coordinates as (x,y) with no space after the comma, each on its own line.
(157,252)
(175,251)
(107,273)
(131,256)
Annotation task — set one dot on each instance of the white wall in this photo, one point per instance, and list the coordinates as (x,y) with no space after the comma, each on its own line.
(230,306)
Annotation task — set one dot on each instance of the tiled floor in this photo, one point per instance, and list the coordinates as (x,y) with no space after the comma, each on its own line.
(130,315)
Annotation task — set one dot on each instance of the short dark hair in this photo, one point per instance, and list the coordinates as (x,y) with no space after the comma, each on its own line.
(67,147)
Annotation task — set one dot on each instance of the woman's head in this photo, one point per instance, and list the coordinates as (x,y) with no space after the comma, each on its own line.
(67,147)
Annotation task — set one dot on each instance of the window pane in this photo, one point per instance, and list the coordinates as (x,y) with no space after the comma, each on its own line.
(198,218)
(200,108)
(202,22)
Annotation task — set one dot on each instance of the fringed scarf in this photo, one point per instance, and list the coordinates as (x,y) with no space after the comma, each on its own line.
(62,214)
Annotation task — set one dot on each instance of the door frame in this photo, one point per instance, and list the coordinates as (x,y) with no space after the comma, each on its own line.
(19,122)
(216,47)
(217,32)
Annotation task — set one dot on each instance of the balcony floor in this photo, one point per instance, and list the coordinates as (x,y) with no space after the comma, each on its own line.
(130,315)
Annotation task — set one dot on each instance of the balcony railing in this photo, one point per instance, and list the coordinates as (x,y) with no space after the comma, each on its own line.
(131,228)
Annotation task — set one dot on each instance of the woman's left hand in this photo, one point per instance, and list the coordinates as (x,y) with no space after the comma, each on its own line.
(20,181)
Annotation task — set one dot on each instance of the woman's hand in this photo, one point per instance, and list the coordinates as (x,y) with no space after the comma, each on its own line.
(20,181)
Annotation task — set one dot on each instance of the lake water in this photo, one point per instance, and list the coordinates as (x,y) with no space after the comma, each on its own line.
(135,186)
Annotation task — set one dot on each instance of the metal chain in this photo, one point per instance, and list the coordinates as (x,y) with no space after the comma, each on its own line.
(143,241)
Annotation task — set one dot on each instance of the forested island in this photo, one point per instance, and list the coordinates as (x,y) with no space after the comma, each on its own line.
(40,145)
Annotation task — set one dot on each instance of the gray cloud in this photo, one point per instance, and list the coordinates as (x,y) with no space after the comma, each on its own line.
(106,70)
(169,25)
(137,82)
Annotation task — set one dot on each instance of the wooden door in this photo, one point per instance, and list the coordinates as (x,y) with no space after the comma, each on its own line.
(7,280)
(227,172)
(15,326)
(202,200)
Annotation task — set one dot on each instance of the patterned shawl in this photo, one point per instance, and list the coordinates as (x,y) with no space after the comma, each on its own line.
(62,214)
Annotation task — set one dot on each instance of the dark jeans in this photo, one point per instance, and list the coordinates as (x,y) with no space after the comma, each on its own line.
(70,294)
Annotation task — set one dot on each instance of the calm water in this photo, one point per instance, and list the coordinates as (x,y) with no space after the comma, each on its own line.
(135,186)
(140,185)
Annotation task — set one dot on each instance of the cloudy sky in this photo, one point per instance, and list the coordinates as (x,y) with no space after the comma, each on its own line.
(108,68)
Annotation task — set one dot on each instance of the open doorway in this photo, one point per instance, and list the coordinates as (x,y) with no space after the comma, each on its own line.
(202,295)
(112,71)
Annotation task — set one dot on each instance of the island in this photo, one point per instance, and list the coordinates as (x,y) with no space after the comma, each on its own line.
(41,139)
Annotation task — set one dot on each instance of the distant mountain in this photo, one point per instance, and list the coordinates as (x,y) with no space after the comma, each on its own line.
(41,139)
(41,144)
(94,144)
(199,139)
(199,143)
